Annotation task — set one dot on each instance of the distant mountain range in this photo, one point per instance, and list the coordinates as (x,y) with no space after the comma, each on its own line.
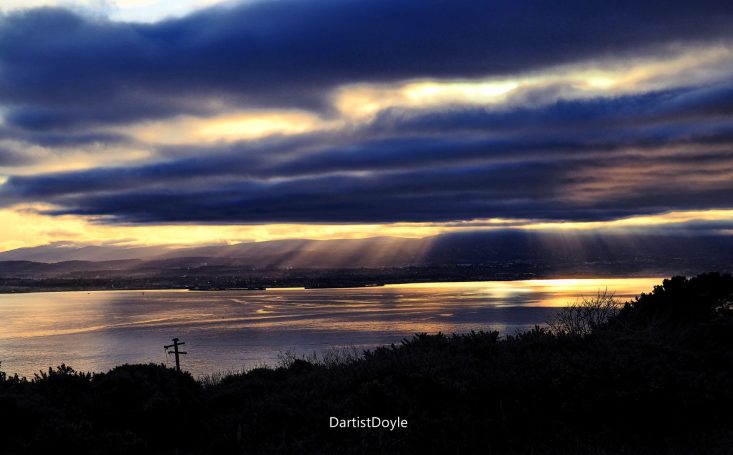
(448,249)
(65,251)
(340,253)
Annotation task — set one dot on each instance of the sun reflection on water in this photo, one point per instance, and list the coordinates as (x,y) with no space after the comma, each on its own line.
(229,329)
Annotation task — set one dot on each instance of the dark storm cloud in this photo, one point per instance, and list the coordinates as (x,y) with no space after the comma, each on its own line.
(597,159)
(532,190)
(409,196)
(10,158)
(59,69)
(62,139)
(570,117)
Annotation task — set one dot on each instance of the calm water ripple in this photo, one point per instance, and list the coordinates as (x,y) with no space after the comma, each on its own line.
(94,331)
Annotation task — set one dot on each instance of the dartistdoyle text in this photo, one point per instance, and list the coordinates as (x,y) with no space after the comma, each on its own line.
(370,422)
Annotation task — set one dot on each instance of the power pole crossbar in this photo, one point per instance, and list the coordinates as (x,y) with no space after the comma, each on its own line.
(176,352)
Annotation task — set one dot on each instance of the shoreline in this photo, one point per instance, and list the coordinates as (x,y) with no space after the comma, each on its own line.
(316,288)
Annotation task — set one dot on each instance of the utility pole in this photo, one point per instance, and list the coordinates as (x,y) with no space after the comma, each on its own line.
(176,351)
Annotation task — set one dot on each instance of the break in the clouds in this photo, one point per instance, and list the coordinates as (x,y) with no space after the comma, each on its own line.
(373,112)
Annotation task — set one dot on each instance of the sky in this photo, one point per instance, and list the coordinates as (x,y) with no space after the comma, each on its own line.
(141,122)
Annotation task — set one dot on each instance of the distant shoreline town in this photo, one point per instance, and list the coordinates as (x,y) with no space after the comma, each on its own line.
(238,279)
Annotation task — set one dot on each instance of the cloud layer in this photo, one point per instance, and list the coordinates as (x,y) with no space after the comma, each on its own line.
(281,53)
(545,148)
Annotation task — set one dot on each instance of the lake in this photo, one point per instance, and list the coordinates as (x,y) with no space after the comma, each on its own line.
(225,330)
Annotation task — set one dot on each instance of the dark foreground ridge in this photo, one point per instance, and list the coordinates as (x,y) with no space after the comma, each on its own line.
(657,377)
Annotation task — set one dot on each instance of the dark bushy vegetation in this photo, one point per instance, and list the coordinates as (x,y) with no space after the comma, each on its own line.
(656,377)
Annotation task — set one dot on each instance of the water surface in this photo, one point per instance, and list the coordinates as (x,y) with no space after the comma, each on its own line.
(94,331)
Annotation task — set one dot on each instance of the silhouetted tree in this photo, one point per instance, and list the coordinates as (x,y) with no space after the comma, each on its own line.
(585,315)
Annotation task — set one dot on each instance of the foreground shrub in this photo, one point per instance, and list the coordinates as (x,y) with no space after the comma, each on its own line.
(584,316)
